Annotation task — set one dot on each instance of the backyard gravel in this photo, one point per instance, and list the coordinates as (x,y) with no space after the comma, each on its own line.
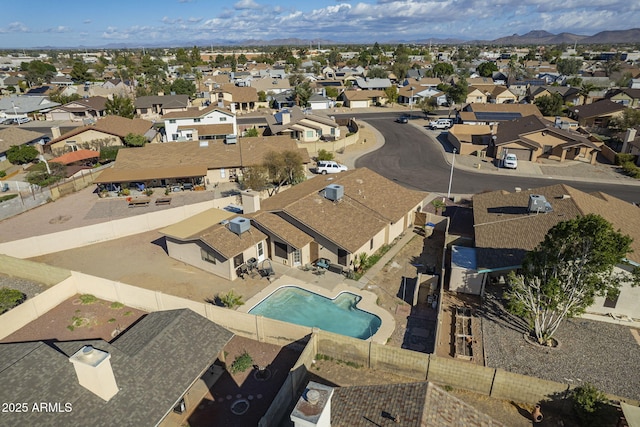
(603,354)
(29,288)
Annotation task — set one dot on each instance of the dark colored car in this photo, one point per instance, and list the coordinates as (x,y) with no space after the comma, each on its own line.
(402,119)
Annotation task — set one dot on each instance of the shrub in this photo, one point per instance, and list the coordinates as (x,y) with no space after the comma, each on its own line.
(10,298)
(116,305)
(241,363)
(148,192)
(230,299)
(7,197)
(3,174)
(587,401)
(631,169)
(325,155)
(622,158)
(87,299)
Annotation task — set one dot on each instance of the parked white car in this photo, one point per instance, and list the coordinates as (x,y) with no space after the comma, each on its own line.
(510,161)
(441,124)
(329,166)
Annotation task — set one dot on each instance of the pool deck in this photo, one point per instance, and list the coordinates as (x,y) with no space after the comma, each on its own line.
(367,303)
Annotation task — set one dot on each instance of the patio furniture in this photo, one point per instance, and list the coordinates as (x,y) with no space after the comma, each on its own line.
(138,201)
(163,201)
(5,187)
(322,263)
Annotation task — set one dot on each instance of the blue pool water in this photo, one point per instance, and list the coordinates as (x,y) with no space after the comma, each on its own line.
(340,315)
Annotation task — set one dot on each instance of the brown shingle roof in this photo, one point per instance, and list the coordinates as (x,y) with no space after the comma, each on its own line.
(194,113)
(113,125)
(165,101)
(370,203)
(282,229)
(501,220)
(362,95)
(604,107)
(229,244)
(241,94)
(414,404)
(208,130)
(17,136)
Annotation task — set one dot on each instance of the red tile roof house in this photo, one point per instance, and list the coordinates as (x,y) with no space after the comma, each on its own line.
(106,132)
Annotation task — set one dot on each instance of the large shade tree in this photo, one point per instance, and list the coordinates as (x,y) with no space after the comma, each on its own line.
(561,277)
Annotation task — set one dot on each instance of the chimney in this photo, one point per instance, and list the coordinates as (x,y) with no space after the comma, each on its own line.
(94,372)
(628,137)
(286,117)
(55,132)
(250,201)
(314,407)
(194,135)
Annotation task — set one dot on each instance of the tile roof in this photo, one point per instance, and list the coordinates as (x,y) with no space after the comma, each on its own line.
(190,159)
(149,382)
(195,112)
(501,220)
(113,125)
(414,404)
(15,135)
(369,204)
(76,156)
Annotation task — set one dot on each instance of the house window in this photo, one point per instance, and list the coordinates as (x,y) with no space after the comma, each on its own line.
(223,119)
(180,407)
(612,300)
(309,134)
(175,136)
(196,120)
(547,149)
(172,121)
(207,256)
(189,135)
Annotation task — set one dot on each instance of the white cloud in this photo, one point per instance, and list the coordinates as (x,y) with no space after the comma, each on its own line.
(15,27)
(58,29)
(246,4)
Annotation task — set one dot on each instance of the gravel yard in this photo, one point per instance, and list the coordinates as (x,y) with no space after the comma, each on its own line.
(27,287)
(603,354)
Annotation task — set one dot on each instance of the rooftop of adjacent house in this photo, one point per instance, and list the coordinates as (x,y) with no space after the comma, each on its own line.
(521,109)
(166,101)
(76,156)
(370,202)
(601,108)
(296,116)
(281,229)
(26,104)
(193,158)
(113,125)
(518,129)
(149,383)
(412,404)
(241,93)
(362,95)
(195,112)
(17,136)
(95,103)
(502,220)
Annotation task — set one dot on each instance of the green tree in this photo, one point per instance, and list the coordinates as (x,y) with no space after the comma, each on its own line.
(332,92)
(324,155)
(22,154)
(549,105)
(611,65)
(561,277)
(391,93)
(183,87)
(42,175)
(283,168)
(377,72)
(302,94)
(58,97)
(427,105)
(569,66)
(120,106)
(255,178)
(38,72)
(80,72)
(443,69)
(242,59)
(134,140)
(630,118)
(486,69)
(251,132)
(334,57)
(194,57)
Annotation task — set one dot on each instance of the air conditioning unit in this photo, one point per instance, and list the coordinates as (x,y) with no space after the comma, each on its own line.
(239,225)
(334,192)
(538,203)
(231,139)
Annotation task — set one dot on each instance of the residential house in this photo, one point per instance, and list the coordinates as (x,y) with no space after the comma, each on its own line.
(130,379)
(495,94)
(470,139)
(597,114)
(532,137)
(373,84)
(347,214)
(384,405)
(17,136)
(506,226)
(26,106)
(106,132)
(626,96)
(242,99)
(196,162)
(216,241)
(76,161)
(304,127)
(270,85)
(487,114)
(91,108)
(195,124)
(61,81)
(476,96)
(154,107)
(363,98)
(570,95)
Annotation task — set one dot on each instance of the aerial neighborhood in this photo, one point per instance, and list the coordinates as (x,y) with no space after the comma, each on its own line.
(414,234)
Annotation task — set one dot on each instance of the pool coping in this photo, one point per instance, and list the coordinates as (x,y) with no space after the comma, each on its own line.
(367,302)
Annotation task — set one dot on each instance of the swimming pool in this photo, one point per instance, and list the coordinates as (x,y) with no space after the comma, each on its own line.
(340,315)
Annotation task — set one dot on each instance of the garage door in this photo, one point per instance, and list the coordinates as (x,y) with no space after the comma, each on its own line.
(521,153)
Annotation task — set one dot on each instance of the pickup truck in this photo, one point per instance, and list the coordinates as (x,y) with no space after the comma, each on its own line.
(441,124)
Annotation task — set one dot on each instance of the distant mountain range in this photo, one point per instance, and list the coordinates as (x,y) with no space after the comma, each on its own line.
(536,37)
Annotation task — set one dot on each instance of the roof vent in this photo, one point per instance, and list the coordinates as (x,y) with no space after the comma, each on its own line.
(538,203)
(231,139)
(204,143)
(239,225)
(334,192)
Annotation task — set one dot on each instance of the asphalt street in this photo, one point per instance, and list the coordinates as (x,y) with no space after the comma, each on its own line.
(417,161)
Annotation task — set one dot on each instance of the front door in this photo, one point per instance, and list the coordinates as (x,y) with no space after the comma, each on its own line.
(260,249)
(297,257)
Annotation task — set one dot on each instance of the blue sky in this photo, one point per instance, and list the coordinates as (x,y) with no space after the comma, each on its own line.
(143,22)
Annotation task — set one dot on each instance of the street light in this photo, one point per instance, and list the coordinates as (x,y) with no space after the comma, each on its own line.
(453,162)
(15,112)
